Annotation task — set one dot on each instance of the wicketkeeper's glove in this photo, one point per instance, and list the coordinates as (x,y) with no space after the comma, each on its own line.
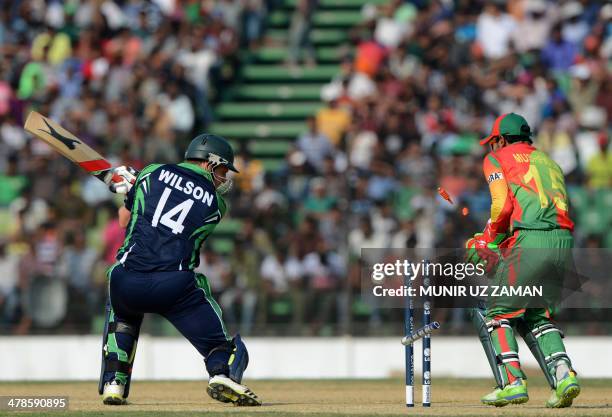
(121,179)
(479,251)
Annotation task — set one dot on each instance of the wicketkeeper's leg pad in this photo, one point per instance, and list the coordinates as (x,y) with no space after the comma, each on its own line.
(230,358)
(531,338)
(550,341)
(484,334)
(506,348)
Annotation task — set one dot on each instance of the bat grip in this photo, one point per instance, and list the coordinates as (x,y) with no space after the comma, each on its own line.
(108,176)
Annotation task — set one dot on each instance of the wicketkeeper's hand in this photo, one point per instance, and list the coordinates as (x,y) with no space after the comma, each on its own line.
(121,179)
(481,251)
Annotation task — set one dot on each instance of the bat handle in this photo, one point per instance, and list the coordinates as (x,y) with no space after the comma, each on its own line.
(107,176)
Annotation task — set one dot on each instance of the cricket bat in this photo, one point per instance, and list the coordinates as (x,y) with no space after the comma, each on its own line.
(68,145)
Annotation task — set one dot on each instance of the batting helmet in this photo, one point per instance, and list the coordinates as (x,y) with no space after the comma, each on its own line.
(212,148)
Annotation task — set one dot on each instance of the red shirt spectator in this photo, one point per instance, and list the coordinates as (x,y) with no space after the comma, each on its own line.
(369,57)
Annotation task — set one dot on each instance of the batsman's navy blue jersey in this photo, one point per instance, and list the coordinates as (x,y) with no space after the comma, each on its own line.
(174,209)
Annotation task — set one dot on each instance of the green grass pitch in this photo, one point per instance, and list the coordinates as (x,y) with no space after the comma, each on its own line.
(324,398)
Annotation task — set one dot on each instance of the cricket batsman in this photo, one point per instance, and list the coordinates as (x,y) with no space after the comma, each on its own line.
(169,211)
(531,227)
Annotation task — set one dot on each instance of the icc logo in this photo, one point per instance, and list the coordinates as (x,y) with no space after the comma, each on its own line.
(427,353)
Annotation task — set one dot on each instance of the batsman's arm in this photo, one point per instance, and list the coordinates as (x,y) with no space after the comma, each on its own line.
(125,211)
(501,203)
(124,217)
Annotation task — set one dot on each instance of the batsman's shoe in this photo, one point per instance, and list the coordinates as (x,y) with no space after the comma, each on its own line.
(113,393)
(568,388)
(222,388)
(514,393)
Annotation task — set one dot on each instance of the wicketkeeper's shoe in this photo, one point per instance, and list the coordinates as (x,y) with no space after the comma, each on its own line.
(113,393)
(222,388)
(568,388)
(514,393)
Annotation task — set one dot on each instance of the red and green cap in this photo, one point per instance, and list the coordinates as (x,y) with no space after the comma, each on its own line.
(509,124)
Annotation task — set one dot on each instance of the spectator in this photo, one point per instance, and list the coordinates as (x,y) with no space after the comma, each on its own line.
(532,31)
(335,183)
(323,269)
(12,183)
(382,183)
(34,79)
(383,219)
(319,201)
(299,34)
(366,237)
(333,228)
(216,270)
(405,236)
(583,90)
(251,176)
(245,290)
(9,273)
(305,239)
(558,144)
(494,30)
(359,203)
(389,30)
(269,198)
(298,177)
(587,138)
(13,134)
(604,97)
(315,145)
(362,147)
(369,57)
(333,122)
(558,54)
(44,296)
(253,15)
(282,276)
(28,213)
(402,199)
(75,266)
(575,27)
(599,167)
(180,110)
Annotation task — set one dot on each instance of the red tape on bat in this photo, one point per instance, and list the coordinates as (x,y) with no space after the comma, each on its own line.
(95,165)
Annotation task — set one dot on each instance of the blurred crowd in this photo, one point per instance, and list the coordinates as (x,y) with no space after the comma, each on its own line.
(422,81)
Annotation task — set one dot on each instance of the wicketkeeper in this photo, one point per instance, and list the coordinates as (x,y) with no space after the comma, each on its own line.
(170,210)
(530,224)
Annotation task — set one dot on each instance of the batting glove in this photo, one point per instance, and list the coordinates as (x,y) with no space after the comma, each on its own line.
(122,179)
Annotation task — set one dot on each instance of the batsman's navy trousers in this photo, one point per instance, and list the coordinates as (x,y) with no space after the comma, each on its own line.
(182,297)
